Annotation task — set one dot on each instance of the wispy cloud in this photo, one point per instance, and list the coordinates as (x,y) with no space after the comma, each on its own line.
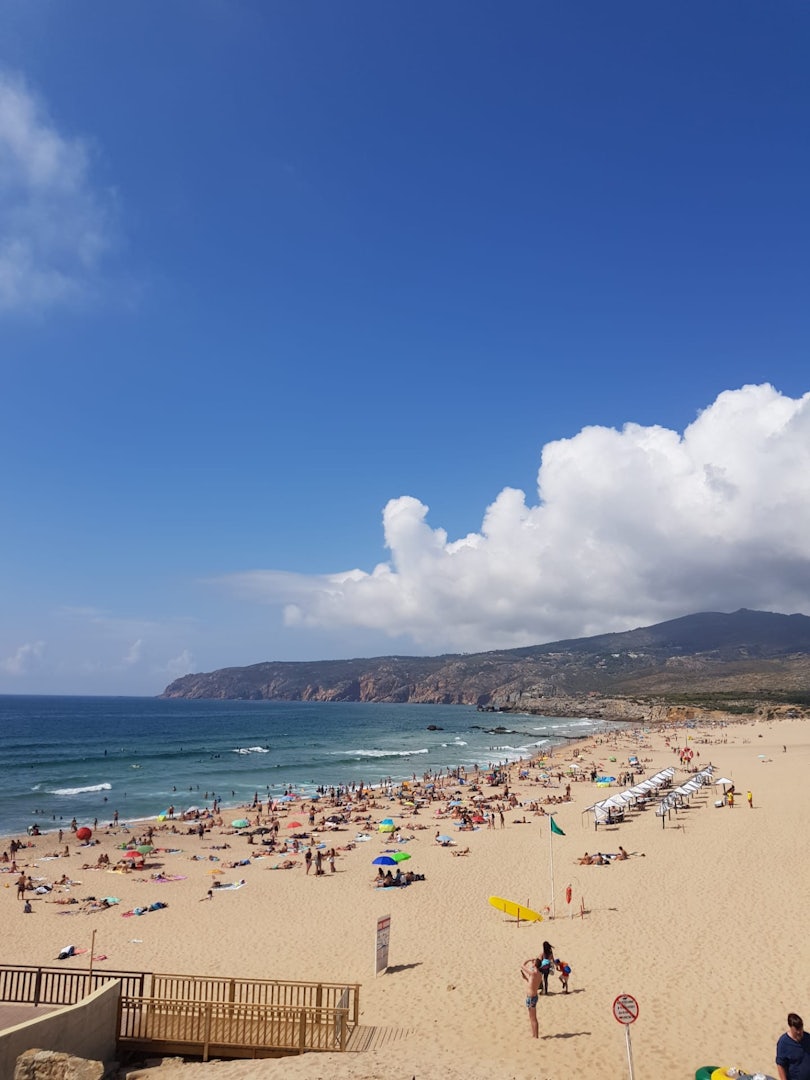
(630,526)
(133,654)
(55,225)
(23,659)
(177,666)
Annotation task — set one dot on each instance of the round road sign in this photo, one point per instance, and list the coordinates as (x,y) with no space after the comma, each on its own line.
(625,1009)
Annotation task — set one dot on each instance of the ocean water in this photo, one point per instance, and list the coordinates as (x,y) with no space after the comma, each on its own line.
(65,757)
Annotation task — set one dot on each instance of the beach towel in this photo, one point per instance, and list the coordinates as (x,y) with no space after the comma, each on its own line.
(232,885)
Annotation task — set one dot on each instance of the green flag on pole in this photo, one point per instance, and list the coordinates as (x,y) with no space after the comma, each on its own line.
(555,828)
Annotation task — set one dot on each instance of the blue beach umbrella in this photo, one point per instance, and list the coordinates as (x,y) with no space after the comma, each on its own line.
(384,860)
(444,839)
(240,823)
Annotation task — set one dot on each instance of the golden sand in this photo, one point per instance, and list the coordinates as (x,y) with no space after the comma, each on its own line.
(706,929)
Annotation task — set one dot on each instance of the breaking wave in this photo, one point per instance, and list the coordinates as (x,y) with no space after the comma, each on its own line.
(79,790)
(384,753)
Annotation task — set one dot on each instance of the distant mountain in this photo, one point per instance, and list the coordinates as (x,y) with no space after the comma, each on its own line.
(746,652)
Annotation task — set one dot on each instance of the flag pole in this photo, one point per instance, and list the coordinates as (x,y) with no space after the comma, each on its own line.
(551,860)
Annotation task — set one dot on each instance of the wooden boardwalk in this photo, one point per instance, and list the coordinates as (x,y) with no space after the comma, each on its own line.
(204,1016)
(363,1038)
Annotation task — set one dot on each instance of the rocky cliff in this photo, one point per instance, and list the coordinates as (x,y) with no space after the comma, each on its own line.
(747,656)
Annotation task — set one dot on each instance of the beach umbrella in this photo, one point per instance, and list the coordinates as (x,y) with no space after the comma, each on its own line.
(387,821)
(400,856)
(444,839)
(294,825)
(84,833)
(216,870)
(384,860)
(240,823)
(144,849)
(133,855)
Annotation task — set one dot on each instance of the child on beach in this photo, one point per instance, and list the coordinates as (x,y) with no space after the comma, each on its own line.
(565,970)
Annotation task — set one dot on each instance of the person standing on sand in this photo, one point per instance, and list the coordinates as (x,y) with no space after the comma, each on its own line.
(750,796)
(530,971)
(793,1051)
(546,964)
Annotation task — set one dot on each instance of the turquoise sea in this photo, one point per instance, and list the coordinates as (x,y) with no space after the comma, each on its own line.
(85,757)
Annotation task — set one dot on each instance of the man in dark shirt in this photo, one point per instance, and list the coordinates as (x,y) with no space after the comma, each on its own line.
(793,1051)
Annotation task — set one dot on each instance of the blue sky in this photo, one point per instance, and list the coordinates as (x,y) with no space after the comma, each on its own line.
(333,329)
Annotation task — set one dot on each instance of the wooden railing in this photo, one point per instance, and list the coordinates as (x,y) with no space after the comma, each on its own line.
(24,985)
(228,1028)
(195,1013)
(296,995)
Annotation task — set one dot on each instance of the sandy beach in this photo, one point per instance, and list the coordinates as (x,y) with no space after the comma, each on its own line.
(701,924)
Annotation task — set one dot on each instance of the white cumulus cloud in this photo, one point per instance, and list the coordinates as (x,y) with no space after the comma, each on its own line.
(54,224)
(629,527)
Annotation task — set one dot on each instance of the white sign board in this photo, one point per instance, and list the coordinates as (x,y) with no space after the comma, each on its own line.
(382,941)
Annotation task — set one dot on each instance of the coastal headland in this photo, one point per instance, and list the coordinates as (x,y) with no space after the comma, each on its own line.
(698,923)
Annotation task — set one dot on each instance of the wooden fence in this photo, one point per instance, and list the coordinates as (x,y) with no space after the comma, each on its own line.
(296,995)
(228,1028)
(198,1014)
(24,985)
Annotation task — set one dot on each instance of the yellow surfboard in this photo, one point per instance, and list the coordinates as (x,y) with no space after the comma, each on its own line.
(517,911)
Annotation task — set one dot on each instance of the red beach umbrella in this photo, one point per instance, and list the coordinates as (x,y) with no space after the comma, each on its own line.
(134,855)
(294,825)
(84,833)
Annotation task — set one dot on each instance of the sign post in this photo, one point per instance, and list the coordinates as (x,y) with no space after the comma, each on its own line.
(383,938)
(625,1009)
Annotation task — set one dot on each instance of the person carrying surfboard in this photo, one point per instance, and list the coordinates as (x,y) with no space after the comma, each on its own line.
(531,972)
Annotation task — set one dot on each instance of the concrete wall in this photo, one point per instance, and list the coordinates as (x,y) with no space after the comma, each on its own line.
(87,1029)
